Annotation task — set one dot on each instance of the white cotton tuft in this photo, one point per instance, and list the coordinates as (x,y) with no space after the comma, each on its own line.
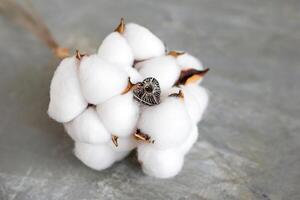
(124,144)
(187,61)
(66,99)
(193,107)
(143,43)
(100,80)
(134,75)
(196,101)
(160,163)
(168,123)
(164,69)
(115,49)
(185,147)
(88,128)
(97,157)
(120,114)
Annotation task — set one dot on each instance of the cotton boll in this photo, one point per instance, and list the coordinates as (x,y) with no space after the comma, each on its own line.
(143,43)
(115,49)
(168,123)
(120,114)
(160,163)
(195,105)
(124,144)
(187,61)
(188,144)
(97,157)
(100,80)
(164,69)
(66,99)
(196,100)
(88,128)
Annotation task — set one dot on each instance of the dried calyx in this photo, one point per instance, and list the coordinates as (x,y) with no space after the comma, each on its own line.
(178,95)
(142,136)
(91,105)
(137,61)
(190,76)
(79,55)
(121,26)
(129,87)
(175,54)
(147,92)
(114,139)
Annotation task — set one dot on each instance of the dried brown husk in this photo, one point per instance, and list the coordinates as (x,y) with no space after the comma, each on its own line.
(177,95)
(175,54)
(121,27)
(191,76)
(142,137)
(114,139)
(129,87)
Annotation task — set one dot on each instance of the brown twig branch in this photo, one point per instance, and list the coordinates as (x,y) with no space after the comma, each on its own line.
(33,23)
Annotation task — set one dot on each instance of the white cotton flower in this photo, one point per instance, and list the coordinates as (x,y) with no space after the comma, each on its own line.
(100,80)
(164,69)
(124,144)
(120,114)
(168,124)
(131,94)
(115,49)
(187,61)
(97,157)
(185,147)
(66,99)
(88,128)
(196,101)
(143,43)
(160,163)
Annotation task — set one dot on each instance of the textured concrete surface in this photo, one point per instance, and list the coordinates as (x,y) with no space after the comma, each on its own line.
(249,145)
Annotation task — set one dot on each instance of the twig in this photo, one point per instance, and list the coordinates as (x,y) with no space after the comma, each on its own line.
(33,23)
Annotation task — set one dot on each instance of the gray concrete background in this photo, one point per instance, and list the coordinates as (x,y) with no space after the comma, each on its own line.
(249,145)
